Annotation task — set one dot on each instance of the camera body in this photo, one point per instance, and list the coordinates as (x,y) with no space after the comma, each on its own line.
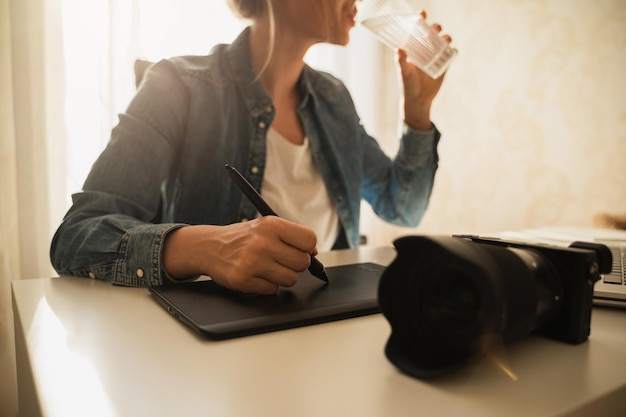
(579,266)
(450,299)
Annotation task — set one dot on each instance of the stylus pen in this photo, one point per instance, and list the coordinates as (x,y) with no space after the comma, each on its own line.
(316,268)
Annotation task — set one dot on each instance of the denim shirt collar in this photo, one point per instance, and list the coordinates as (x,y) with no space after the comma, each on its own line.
(238,54)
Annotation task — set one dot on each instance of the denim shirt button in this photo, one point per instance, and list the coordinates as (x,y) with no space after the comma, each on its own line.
(254,170)
(261,124)
(268,109)
(140,273)
(243,220)
(92,275)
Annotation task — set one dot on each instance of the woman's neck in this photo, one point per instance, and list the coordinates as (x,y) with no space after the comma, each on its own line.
(279,75)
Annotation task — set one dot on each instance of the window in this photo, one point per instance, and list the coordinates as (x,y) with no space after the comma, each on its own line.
(102,39)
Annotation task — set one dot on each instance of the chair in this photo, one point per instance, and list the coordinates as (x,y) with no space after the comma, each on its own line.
(140,69)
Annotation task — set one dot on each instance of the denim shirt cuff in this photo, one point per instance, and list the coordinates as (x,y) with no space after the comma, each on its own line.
(140,261)
(419,148)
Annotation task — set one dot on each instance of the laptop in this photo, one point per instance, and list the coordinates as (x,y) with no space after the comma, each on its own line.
(611,289)
(219,313)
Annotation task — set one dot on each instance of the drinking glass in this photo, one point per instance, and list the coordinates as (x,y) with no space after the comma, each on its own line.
(399,25)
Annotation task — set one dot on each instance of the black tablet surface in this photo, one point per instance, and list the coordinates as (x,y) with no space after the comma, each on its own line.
(219,313)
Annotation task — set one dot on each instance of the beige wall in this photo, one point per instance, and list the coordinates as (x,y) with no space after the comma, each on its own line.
(533,113)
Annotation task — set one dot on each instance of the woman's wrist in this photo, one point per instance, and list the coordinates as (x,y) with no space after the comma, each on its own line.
(177,256)
(418,120)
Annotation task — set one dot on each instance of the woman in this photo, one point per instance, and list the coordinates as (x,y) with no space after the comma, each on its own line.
(158,206)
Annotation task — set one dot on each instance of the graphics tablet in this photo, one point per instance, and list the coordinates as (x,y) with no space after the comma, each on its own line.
(220,313)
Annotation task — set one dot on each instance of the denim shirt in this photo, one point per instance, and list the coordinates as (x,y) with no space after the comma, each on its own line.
(164,165)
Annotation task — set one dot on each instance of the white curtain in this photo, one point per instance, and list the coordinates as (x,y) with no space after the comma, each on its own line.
(32,157)
(66,71)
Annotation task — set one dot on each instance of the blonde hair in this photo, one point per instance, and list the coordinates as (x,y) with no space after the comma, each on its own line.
(249,9)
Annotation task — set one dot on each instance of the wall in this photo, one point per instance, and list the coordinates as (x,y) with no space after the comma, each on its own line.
(9,250)
(533,115)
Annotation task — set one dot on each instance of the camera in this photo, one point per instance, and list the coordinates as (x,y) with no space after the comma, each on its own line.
(450,299)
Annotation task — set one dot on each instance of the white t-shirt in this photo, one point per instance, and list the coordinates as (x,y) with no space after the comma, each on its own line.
(294,188)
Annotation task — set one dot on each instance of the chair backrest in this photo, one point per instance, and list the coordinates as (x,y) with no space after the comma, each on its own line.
(140,69)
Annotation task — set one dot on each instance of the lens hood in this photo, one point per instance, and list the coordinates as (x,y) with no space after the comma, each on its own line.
(449,301)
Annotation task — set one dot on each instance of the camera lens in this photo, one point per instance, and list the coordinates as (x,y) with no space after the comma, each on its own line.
(445,297)
(453,302)
(547,286)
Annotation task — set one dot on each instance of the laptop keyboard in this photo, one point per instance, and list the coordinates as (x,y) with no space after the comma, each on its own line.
(616,276)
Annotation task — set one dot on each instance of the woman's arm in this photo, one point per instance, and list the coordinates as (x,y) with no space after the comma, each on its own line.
(256,256)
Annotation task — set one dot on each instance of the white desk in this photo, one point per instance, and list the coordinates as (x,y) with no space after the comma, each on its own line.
(87,348)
